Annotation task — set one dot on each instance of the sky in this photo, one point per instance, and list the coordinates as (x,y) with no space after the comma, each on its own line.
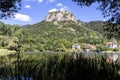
(34,11)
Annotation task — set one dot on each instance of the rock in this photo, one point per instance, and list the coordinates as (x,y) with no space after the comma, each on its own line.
(58,16)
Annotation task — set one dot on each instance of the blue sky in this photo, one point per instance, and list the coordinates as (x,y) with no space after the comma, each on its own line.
(34,11)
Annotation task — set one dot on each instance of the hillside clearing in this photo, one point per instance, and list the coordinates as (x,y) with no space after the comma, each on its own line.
(4,52)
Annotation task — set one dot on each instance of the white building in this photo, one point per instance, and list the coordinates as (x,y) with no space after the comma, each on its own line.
(111,44)
(75,46)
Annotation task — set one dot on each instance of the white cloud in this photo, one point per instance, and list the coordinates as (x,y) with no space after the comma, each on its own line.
(27,0)
(27,6)
(52,10)
(51,0)
(59,5)
(22,17)
(40,1)
(30,0)
(64,8)
(36,0)
(61,9)
(47,1)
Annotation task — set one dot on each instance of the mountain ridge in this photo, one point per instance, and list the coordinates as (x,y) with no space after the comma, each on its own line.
(58,16)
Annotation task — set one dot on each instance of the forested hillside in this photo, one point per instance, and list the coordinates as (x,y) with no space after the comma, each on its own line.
(60,37)
(53,34)
(96,26)
(9,36)
(47,36)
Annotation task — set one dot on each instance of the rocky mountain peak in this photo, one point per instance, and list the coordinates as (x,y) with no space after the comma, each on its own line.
(58,16)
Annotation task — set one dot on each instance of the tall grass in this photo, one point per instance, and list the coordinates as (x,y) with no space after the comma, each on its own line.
(58,67)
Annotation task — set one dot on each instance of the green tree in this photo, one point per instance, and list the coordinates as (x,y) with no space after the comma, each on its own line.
(109,8)
(41,47)
(112,30)
(13,43)
(103,48)
(9,7)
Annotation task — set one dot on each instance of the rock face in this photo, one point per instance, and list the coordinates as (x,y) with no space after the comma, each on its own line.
(59,16)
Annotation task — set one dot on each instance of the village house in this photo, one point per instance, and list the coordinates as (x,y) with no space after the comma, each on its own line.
(75,46)
(111,44)
(88,47)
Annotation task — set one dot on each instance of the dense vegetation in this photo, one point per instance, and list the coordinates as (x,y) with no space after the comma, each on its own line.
(60,37)
(9,7)
(46,37)
(52,37)
(109,9)
(96,26)
(54,66)
(8,36)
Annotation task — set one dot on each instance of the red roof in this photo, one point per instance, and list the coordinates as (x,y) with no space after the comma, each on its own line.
(88,46)
(111,43)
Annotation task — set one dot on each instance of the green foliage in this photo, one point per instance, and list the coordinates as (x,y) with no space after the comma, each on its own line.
(59,67)
(40,47)
(109,8)
(9,7)
(8,30)
(13,43)
(103,48)
(48,36)
(112,30)
(116,49)
(91,40)
(96,26)
(60,37)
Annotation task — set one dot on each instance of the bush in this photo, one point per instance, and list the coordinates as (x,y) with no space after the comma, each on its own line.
(116,49)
